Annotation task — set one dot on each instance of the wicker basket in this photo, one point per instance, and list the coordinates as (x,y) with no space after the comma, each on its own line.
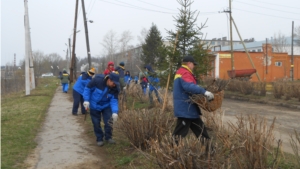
(212,105)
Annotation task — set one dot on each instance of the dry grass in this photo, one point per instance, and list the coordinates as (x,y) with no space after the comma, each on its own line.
(246,144)
(295,143)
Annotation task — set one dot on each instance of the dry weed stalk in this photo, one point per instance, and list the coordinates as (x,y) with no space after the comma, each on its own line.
(254,140)
(189,153)
(142,125)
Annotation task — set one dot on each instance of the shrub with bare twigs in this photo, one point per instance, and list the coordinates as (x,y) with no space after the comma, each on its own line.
(246,144)
(142,125)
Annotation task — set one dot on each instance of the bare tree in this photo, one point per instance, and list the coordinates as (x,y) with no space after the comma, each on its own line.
(38,59)
(126,37)
(110,43)
(279,42)
(52,62)
(142,36)
(297,35)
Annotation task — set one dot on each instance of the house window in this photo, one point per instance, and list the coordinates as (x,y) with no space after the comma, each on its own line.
(258,50)
(278,63)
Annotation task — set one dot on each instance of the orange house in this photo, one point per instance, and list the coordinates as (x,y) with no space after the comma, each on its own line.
(269,66)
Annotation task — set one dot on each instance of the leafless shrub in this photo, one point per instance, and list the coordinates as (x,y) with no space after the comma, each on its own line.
(260,89)
(278,90)
(287,88)
(295,144)
(190,152)
(142,125)
(135,91)
(12,85)
(233,85)
(246,87)
(246,144)
(295,90)
(255,139)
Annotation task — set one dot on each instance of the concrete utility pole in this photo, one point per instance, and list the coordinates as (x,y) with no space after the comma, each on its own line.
(86,35)
(29,71)
(74,43)
(292,59)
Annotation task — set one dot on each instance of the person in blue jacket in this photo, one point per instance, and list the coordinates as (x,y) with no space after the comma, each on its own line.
(136,79)
(153,84)
(101,97)
(187,113)
(78,88)
(127,78)
(121,69)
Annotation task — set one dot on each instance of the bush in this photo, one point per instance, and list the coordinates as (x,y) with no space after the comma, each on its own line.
(278,90)
(246,87)
(142,125)
(246,144)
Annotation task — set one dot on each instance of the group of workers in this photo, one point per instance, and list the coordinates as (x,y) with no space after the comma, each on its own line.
(98,94)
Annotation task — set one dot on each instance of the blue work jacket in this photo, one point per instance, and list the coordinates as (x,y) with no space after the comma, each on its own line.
(81,82)
(183,87)
(100,95)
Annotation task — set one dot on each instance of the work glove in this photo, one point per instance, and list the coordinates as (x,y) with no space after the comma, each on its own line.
(86,105)
(115,117)
(209,95)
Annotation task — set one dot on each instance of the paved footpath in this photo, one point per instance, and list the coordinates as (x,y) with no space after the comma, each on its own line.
(61,142)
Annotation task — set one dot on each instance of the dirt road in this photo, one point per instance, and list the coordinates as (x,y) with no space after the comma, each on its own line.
(286,119)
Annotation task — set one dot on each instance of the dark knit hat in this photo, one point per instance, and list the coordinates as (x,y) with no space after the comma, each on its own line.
(122,64)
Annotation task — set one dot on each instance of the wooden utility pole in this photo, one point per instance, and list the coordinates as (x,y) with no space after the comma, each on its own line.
(86,35)
(246,49)
(231,45)
(266,55)
(292,59)
(74,44)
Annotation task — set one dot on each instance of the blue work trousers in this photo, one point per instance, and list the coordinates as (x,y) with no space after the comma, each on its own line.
(78,99)
(107,118)
(65,87)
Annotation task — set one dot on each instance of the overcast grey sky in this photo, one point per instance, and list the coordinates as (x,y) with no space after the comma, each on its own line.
(52,21)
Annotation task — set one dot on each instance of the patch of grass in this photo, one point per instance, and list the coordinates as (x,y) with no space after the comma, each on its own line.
(21,118)
(285,161)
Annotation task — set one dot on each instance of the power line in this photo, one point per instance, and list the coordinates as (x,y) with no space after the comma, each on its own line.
(276,4)
(266,14)
(91,8)
(266,7)
(146,9)
(157,5)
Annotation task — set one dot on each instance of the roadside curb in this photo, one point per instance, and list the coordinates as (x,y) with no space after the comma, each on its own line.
(292,106)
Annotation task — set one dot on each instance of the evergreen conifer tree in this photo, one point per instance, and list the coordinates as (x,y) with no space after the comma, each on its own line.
(188,42)
(153,42)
